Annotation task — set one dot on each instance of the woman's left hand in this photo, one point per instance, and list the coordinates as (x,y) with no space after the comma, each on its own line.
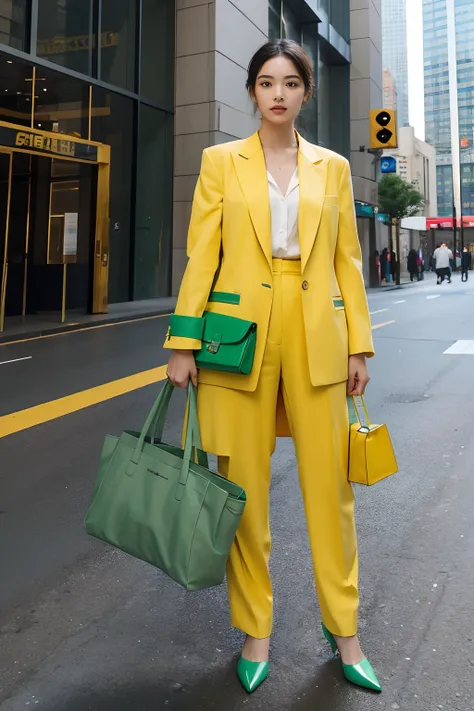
(358,375)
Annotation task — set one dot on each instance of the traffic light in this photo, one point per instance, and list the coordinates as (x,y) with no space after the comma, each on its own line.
(383,128)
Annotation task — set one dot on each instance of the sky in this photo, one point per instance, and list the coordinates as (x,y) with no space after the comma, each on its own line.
(415,66)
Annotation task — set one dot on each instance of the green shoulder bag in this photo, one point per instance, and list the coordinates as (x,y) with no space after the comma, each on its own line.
(228,343)
(162,504)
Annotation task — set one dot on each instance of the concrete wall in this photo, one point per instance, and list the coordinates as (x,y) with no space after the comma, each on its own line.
(416,162)
(215,41)
(366,91)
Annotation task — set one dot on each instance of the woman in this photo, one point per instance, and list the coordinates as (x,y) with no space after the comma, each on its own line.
(412,264)
(273,236)
(393,265)
(384,261)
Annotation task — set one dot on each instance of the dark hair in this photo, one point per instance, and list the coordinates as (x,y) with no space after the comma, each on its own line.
(278,48)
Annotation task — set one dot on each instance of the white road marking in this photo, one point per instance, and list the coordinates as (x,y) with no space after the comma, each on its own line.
(434,296)
(461,348)
(16,360)
(403,301)
(380,311)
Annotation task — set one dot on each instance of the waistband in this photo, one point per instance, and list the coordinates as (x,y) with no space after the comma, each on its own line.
(286,266)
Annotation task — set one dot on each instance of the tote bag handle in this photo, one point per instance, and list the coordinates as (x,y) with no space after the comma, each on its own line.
(155,423)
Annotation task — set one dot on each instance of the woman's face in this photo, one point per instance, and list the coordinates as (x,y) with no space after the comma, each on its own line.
(279,91)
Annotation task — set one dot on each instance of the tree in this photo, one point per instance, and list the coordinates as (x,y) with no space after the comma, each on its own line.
(398,199)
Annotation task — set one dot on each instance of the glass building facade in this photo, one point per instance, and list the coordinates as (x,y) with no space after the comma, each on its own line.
(325,36)
(100,71)
(437,110)
(394,52)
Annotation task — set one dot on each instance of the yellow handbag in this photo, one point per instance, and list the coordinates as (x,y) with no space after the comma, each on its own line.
(371,455)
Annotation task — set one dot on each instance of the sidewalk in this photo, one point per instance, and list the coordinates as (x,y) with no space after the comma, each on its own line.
(391,286)
(404,282)
(46,324)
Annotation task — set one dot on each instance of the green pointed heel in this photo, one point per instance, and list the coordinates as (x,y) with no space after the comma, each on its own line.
(361,674)
(251,674)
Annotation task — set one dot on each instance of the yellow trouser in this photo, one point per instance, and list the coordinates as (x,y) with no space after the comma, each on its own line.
(319,426)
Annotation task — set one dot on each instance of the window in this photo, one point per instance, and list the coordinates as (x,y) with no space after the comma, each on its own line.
(274,20)
(15,91)
(65,33)
(157,60)
(117,42)
(153,238)
(113,123)
(62,103)
(340,17)
(14,24)
(291,28)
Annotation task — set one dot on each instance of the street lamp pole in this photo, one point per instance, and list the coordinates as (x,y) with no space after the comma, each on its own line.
(454,116)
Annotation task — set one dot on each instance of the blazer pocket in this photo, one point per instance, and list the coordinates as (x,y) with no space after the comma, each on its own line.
(224,297)
(331,201)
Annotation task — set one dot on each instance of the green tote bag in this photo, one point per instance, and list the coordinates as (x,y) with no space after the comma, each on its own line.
(155,502)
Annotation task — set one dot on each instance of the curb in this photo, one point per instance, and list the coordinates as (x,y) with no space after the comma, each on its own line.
(382,289)
(6,338)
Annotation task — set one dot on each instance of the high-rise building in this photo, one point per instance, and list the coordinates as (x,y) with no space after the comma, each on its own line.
(389,91)
(96,96)
(437,108)
(394,52)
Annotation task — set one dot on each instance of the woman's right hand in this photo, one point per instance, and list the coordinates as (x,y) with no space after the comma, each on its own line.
(182,368)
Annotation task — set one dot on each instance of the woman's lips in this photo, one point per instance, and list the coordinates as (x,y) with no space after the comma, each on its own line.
(278,109)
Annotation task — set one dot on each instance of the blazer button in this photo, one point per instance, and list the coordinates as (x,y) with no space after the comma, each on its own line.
(305,285)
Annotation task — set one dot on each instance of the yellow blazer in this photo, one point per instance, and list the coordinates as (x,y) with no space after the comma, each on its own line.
(231,211)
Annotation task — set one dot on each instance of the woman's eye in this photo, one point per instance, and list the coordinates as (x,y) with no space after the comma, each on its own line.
(265,84)
(292,84)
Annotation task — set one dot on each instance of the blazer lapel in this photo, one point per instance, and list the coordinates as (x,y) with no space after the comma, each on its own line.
(249,162)
(312,174)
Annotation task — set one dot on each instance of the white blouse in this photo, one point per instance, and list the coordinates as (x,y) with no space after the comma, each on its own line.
(284,213)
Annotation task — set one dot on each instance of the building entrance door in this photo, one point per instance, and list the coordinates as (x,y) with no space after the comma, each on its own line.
(54,203)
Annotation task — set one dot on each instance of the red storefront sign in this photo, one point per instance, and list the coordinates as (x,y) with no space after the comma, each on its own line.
(446,223)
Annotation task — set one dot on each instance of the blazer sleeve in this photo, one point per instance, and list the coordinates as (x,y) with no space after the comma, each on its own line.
(348,266)
(203,250)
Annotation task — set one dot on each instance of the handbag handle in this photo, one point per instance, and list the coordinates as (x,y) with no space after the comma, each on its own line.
(193,441)
(157,417)
(354,416)
(155,431)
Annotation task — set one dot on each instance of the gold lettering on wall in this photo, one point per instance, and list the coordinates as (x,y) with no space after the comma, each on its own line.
(45,143)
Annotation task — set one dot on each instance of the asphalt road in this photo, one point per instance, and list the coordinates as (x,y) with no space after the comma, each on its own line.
(84,627)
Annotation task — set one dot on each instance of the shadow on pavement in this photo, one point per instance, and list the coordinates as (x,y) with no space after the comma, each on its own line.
(329,691)
(214,691)
(217,691)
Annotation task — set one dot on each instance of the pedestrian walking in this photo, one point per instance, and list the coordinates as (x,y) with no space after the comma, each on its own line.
(393,265)
(273,240)
(384,265)
(421,266)
(377,267)
(443,257)
(466,264)
(412,264)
